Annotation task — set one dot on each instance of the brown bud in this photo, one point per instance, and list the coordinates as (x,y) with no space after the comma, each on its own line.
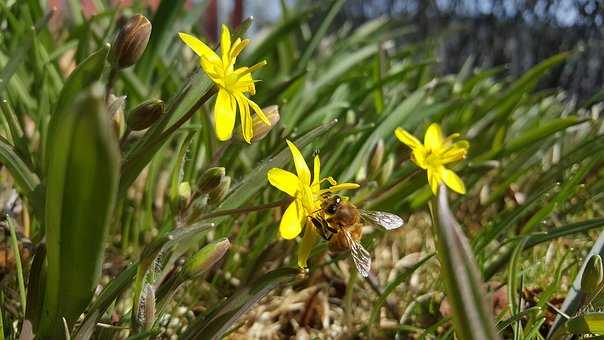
(130,42)
(377,156)
(592,275)
(145,114)
(219,193)
(211,179)
(259,127)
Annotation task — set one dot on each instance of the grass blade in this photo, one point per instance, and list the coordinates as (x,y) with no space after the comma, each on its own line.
(471,316)
(219,322)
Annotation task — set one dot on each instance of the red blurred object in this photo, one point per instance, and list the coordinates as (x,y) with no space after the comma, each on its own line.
(211,21)
(237,13)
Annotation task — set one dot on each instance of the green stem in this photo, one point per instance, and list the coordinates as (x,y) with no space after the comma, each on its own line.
(15,245)
(226,212)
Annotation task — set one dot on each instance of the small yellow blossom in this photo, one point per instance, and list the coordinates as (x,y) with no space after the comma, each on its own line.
(434,154)
(306,193)
(233,84)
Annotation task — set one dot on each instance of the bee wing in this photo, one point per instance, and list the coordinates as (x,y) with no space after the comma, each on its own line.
(381,219)
(360,256)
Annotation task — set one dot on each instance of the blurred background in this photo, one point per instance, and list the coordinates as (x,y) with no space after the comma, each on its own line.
(515,34)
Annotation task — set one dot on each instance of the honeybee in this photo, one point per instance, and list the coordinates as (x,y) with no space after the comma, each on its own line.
(341,224)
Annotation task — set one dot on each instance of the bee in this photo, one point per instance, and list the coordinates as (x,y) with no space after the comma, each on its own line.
(341,223)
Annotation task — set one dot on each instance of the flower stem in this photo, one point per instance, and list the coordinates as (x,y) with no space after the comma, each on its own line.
(226,212)
(110,82)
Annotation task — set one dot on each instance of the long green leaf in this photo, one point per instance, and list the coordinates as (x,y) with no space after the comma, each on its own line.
(471,315)
(82,184)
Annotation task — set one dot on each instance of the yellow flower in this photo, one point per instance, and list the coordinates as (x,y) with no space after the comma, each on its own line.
(233,84)
(306,193)
(434,154)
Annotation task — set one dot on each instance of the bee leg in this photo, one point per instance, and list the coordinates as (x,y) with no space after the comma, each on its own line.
(331,229)
(318,226)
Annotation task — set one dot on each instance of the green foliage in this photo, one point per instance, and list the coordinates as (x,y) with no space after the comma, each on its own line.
(141,233)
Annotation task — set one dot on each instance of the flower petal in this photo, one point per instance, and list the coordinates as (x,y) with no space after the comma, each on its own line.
(344,186)
(418,156)
(198,46)
(455,152)
(453,181)
(238,46)
(407,138)
(259,112)
(309,240)
(224,115)
(291,221)
(225,45)
(247,130)
(300,163)
(433,179)
(433,140)
(283,180)
(316,172)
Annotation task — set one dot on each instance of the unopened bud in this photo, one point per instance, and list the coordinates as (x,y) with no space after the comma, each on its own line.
(184,191)
(259,127)
(219,193)
(387,170)
(210,179)
(145,114)
(361,174)
(592,275)
(130,42)
(351,117)
(377,157)
(205,258)
(115,108)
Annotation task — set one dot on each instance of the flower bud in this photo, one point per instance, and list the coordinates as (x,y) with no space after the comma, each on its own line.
(145,114)
(351,117)
(219,193)
(205,258)
(592,275)
(387,170)
(130,42)
(116,112)
(184,191)
(377,157)
(210,179)
(259,127)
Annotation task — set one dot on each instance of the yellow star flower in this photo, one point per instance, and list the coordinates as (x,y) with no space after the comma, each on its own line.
(434,154)
(233,84)
(306,193)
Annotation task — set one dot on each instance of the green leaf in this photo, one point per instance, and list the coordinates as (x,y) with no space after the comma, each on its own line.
(25,178)
(219,322)
(471,315)
(589,322)
(319,34)
(82,180)
(384,130)
(163,23)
